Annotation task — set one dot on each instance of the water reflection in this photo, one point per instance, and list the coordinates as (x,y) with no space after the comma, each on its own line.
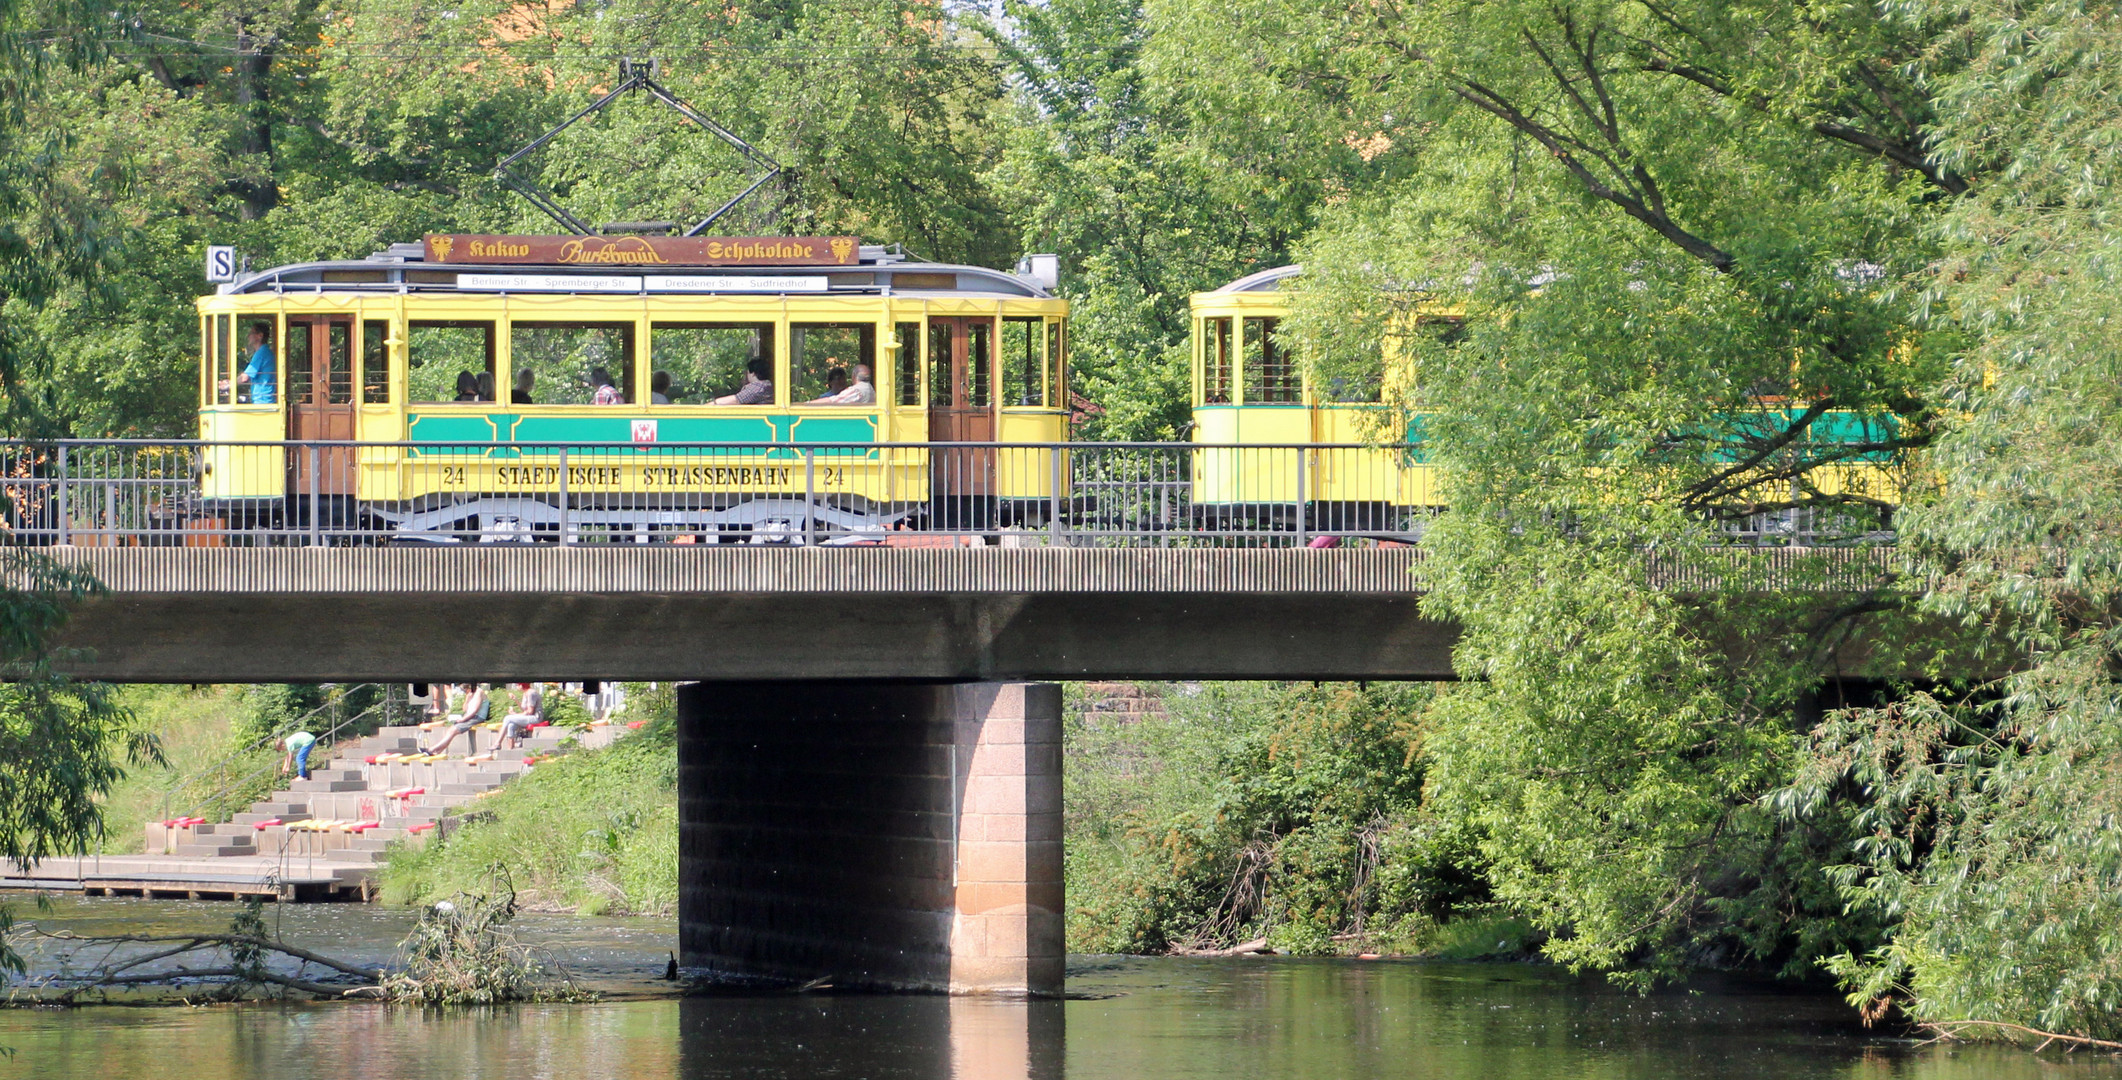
(880,1038)
(1272,1019)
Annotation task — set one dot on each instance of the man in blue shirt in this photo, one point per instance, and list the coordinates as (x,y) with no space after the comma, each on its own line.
(262,373)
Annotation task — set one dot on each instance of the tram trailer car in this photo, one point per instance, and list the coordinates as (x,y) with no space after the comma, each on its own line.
(1249,391)
(421,346)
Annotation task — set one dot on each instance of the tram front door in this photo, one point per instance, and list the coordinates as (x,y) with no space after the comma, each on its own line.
(320,403)
(961,408)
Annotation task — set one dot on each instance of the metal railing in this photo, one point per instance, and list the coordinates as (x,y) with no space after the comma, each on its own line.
(188,493)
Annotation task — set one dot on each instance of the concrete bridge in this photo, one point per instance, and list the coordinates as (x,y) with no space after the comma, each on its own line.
(870,773)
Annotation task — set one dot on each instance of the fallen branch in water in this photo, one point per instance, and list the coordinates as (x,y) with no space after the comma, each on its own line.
(1256,945)
(1950,1029)
(246,954)
(199,940)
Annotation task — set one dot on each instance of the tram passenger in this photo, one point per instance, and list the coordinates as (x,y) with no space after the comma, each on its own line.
(861,392)
(607,394)
(467,387)
(521,395)
(477,707)
(659,388)
(486,386)
(262,373)
(758,386)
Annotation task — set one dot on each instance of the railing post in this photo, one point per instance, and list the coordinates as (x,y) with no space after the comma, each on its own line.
(1304,455)
(1054,525)
(316,515)
(61,499)
(810,495)
(567,527)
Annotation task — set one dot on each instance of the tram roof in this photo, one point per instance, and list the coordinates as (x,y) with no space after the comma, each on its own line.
(1263,281)
(403,268)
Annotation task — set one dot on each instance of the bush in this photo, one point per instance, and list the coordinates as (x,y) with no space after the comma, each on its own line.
(1250,810)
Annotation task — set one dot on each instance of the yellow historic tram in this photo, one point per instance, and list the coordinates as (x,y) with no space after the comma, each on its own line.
(468,381)
(1249,392)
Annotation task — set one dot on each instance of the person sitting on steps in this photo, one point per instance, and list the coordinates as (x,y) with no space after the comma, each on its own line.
(477,706)
(528,713)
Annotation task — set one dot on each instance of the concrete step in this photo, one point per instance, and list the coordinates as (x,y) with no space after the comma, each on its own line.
(347,772)
(258,816)
(281,807)
(193,851)
(303,786)
(467,789)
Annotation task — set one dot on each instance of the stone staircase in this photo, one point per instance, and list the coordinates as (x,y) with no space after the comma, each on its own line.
(351,809)
(320,838)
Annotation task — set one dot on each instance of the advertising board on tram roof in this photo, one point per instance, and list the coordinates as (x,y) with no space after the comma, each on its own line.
(479,248)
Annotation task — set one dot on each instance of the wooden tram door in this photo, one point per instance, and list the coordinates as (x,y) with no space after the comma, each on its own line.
(961,408)
(320,402)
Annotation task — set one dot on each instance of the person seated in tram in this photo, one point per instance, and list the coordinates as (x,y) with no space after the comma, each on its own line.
(758,386)
(659,388)
(521,395)
(835,382)
(467,387)
(607,392)
(486,386)
(838,391)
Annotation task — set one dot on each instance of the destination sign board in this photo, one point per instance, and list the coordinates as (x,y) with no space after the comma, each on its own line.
(643,251)
(598,283)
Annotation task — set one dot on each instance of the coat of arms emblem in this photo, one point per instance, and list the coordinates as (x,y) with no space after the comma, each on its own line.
(842,247)
(440,245)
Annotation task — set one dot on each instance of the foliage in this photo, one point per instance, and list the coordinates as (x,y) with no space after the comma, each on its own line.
(594,831)
(461,953)
(1250,810)
(1989,816)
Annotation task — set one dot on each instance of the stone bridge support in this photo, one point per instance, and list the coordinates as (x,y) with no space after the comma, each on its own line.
(898,836)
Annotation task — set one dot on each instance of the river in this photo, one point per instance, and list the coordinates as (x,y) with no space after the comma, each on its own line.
(1126,1018)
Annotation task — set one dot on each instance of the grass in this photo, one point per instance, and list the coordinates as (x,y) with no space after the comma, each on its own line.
(595,832)
(194,726)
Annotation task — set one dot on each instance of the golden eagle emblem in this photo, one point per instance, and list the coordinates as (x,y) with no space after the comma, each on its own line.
(842,247)
(440,245)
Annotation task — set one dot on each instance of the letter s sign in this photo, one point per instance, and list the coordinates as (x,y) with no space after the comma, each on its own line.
(220,263)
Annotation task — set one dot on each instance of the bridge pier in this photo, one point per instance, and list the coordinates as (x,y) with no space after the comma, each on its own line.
(902,836)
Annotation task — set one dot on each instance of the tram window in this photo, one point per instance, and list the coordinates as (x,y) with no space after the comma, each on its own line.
(223,359)
(301,376)
(437,352)
(979,364)
(939,373)
(1215,361)
(706,360)
(909,360)
(375,363)
(570,359)
(815,350)
(1055,363)
(1023,362)
(339,364)
(1270,378)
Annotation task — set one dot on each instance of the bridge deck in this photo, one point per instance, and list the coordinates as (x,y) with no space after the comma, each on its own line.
(766,612)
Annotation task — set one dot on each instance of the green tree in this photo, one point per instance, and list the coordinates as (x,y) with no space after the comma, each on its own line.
(1671,238)
(1990,817)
